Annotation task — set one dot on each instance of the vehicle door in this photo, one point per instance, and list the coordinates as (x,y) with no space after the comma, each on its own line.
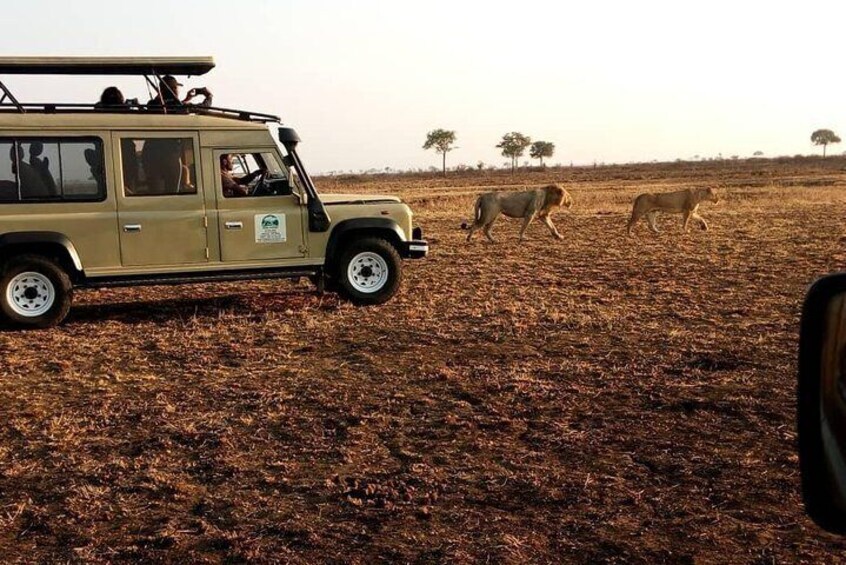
(260,210)
(161,212)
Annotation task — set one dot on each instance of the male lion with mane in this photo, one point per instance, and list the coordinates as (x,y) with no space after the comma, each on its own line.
(684,202)
(527,205)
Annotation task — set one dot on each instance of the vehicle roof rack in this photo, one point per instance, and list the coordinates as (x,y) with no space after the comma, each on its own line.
(139,66)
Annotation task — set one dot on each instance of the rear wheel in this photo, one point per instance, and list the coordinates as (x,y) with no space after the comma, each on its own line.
(370,271)
(34,292)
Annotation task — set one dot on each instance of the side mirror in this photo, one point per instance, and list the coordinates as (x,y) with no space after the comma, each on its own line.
(288,161)
(821,407)
(288,137)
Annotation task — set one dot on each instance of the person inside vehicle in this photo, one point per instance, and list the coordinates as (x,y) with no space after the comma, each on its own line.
(32,185)
(161,160)
(168,95)
(131,165)
(232,185)
(42,166)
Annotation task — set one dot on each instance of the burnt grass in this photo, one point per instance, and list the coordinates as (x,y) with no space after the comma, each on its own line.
(598,399)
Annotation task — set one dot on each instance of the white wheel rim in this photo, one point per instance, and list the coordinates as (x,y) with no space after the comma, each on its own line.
(368,272)
(30,294)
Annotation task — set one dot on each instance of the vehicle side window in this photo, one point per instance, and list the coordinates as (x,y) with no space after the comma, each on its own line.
(8,178)
(251,163)
(82,171)
(239,165)
(52,170)
(253,175)
(158,166)
(274,169)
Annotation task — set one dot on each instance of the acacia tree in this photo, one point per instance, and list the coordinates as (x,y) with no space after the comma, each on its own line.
(441,140)
(824,137)
(513,145)
(541,149)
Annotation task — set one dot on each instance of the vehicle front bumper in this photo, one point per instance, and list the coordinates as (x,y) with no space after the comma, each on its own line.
(417,248)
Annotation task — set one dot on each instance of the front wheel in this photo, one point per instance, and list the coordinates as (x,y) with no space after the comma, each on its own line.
(370,271)
(34,292)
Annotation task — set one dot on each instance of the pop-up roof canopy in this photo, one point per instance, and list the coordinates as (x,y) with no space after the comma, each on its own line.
(152,68)
(192,66)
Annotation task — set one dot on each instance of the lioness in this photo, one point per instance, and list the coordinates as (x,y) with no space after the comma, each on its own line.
(526,205)
(684,202)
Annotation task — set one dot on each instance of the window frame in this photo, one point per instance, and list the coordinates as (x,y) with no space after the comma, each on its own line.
(98,142)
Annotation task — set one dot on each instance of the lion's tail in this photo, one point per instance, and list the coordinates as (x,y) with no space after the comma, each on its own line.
(477,214)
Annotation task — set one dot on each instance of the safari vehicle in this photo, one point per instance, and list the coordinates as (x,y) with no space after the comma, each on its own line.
(95,196)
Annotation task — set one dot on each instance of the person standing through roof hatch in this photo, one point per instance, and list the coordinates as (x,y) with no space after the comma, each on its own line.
(168,95)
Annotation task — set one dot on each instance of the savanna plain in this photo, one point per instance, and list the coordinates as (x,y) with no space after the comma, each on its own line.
(597,399)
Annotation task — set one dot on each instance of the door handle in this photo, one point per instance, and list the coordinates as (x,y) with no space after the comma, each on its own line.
(132,227)
(234,225)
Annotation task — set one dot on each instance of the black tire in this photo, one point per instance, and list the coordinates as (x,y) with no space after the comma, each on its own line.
(382,291)
(62,292)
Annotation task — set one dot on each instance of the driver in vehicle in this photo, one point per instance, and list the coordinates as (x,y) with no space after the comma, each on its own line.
(232,185)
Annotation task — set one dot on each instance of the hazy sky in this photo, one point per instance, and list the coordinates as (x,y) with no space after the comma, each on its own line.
(364,81)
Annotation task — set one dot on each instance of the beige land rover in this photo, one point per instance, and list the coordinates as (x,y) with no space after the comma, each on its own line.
(94,196)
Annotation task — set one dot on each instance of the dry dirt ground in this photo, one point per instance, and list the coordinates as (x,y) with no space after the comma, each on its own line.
(596,399)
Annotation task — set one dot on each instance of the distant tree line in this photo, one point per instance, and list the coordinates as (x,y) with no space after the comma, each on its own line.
(513,146)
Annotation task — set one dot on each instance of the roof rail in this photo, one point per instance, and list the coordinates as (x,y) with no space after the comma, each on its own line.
(65,108)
